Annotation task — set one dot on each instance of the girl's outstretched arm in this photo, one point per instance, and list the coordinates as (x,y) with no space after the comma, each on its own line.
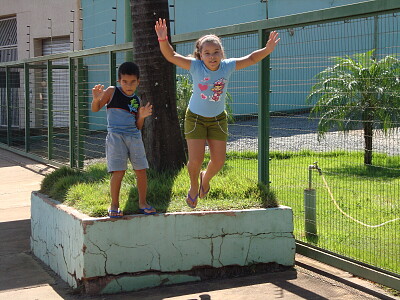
(166,48)
(260,54)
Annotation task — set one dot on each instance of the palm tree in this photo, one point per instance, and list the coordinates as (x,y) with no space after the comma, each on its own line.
(358,89)
(161,133)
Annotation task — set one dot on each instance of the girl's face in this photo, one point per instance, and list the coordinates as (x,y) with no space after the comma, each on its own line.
(211,54)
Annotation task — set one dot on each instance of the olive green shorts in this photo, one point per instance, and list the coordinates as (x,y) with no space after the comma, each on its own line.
(199,127)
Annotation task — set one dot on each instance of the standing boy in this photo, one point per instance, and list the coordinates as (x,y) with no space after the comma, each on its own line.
(125,118)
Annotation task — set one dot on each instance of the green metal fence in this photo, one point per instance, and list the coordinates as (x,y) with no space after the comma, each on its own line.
(350,208)
(345,212)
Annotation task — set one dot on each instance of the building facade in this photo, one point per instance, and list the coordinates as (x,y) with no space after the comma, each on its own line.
(34,28)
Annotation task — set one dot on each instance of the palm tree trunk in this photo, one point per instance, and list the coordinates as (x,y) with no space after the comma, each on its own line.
(161,132)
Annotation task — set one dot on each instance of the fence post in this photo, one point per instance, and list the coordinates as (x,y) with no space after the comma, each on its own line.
(263,113)
(72,127)
(310,212)
(113,68)
(27,108)
(310,205)
(49,110)
(8,105)
(81,112)
(128,30)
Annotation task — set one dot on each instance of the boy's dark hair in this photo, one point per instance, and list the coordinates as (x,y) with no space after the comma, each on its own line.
(128,68)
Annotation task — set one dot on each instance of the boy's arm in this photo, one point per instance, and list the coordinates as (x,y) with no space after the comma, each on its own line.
(166,49)
(143,112)
(101,97)
(260,54)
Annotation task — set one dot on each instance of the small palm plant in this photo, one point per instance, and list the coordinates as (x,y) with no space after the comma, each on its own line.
(358,89)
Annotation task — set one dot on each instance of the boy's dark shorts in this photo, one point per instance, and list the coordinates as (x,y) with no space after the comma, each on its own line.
(199,127)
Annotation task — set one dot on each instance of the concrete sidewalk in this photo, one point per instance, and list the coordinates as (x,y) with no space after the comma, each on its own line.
(22,276)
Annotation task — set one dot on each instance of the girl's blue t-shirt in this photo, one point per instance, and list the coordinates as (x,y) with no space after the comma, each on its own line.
(209,87)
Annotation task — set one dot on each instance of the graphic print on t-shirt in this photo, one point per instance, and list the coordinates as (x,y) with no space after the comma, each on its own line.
(133,107)
(217,89)
(122,101)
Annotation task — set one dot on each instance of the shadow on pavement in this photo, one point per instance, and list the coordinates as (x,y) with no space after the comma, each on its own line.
(18,268)
(343,281)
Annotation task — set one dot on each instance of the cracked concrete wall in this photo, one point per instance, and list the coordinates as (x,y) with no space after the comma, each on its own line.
(57,238)
(113,255)
(179,242)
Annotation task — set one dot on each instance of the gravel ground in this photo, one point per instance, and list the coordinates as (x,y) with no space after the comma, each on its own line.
(288,133)
(297,132)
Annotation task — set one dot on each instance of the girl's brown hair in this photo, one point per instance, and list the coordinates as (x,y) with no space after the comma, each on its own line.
(210,38)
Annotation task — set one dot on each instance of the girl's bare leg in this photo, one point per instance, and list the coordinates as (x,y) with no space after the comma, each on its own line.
(217,161)
(196,149)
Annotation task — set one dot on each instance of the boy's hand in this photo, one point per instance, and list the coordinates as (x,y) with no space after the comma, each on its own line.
(145,111)
(98,92)
(272,42)
(161,29)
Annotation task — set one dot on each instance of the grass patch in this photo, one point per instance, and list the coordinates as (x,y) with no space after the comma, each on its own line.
(88,190)
(367,193)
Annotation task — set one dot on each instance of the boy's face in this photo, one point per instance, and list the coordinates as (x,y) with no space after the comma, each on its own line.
(129,83)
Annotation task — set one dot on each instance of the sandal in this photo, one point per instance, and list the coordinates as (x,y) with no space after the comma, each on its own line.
(143,210)
(189,199)
(115,213)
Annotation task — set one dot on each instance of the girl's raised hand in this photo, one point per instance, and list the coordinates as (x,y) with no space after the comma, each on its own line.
(272,41)
(161,29)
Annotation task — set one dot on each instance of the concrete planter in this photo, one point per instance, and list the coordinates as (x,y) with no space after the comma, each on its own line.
(105,255)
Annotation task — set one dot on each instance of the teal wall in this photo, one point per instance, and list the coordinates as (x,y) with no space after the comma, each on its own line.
(98,27)
(289,57)
(191,15)
(188,15)
(98,24)
(279,8)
